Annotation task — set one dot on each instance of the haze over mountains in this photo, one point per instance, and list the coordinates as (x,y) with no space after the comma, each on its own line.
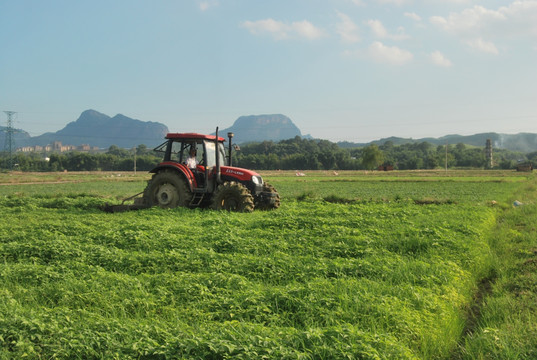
(100,130)
(97,129)
(257,128)
(523,142)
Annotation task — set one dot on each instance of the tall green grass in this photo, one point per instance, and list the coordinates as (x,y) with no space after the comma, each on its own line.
(370,279)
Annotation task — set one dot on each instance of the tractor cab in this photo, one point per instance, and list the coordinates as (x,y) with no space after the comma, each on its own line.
(195,155)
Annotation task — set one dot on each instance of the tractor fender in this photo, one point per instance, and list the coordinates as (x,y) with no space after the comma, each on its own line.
(180,169)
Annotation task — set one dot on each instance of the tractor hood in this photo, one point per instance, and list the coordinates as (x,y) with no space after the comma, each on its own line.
(240,174)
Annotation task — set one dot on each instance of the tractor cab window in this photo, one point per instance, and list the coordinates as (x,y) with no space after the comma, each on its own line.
(211,153)
(176,151)
(181,151)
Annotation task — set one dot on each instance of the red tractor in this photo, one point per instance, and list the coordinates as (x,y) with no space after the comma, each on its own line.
(190,175)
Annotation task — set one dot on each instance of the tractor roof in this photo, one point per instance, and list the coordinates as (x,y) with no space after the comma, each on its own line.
(193,136)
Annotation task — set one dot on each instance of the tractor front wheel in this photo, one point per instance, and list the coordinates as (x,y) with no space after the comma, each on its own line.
(167,190)
(233,196)
(262,205)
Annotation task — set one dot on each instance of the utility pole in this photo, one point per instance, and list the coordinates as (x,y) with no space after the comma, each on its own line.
(135,160)
(9,144)
(446,155)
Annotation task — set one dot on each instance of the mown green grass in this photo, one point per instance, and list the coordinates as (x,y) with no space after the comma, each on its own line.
(113,185)
(455,186)
(383,277)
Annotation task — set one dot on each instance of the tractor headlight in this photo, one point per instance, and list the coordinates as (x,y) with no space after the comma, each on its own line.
(257,180)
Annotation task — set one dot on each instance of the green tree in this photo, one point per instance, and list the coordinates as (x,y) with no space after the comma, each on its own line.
(115,150)
(142,150)
(56,162)
(372,157)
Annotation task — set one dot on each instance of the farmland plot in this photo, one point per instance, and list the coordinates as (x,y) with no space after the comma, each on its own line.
(383,277)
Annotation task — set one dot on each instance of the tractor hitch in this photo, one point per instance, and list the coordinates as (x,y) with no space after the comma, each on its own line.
(138,205)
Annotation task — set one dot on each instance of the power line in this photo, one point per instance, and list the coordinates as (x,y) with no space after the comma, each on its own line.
(9,144)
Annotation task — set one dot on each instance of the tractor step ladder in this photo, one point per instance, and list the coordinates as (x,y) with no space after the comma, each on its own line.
(197,197)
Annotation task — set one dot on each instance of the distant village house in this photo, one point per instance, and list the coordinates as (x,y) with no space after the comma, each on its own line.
(57,146)
(385,168)
(527,167)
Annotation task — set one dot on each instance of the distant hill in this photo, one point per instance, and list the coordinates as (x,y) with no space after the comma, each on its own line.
(523,142)
(97,129)
(19,136)
(257,128)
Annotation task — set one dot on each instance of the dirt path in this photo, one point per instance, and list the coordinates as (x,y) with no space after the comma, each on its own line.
(44,182)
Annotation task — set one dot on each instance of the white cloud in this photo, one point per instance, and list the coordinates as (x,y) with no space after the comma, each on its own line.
(306,30)
(413,16)
(347,29)
(280,30)
(483,46)
(378,29)
(357,2)
(520,6)
(381,32)
(389,54)
(522,16)
(474,25)
(267,26)
(395,2)
(469,20)
(453,1)
(439,59)
(206,5)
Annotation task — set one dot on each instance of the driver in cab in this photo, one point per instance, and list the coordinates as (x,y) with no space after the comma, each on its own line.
(191,161)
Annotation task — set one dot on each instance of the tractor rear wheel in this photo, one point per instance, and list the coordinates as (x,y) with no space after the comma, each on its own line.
(233,196)
(167,190)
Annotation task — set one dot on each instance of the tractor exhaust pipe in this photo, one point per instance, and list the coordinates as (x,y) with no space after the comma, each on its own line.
(217,148)
(230,137)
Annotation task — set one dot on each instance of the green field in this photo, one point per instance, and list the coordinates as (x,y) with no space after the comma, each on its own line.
(356,265)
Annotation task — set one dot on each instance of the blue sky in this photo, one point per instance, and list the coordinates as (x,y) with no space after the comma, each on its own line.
(354,70)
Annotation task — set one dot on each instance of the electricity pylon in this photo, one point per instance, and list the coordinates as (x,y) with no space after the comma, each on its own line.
(9,144)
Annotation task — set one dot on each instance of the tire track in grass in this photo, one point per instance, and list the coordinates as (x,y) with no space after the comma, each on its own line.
(501,321)
(473,314)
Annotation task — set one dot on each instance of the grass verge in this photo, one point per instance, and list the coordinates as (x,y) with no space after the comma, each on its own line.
(507,323)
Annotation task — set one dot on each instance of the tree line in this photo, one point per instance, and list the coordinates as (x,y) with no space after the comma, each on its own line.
(291,154)
(114,159)
(308,154)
